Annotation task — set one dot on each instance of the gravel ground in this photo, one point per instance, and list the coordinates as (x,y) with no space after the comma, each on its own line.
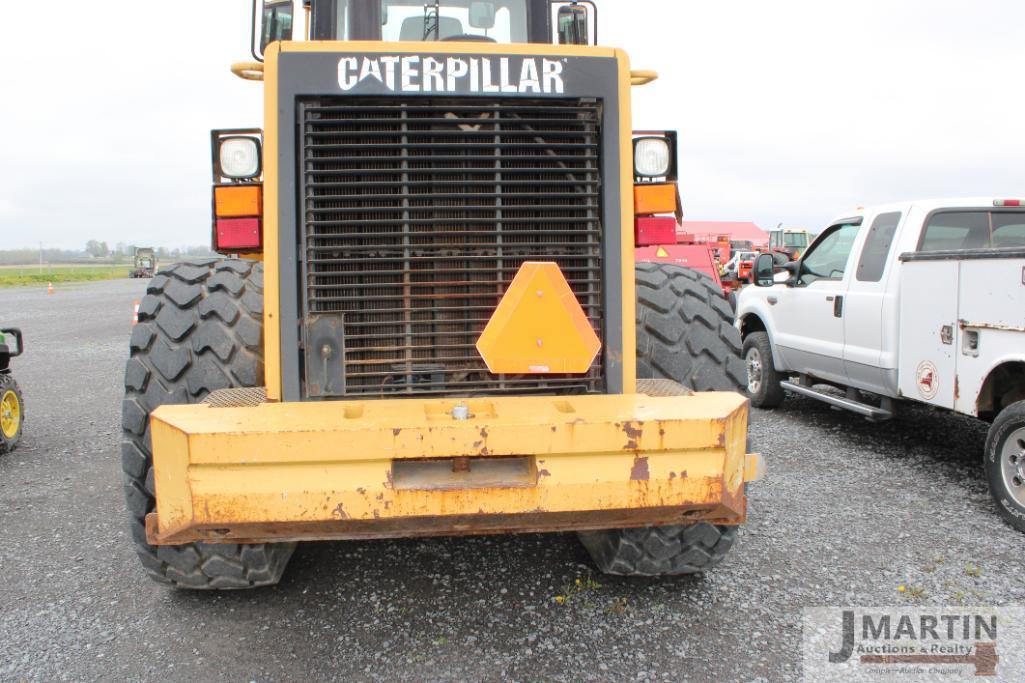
(849,512)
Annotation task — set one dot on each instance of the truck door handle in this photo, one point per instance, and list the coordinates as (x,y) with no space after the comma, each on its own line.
(837,307)
(773,301)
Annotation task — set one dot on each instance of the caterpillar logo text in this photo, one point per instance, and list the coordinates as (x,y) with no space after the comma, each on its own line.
(413,73)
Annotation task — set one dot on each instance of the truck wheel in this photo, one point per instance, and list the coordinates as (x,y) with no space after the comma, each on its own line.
(1005,463)
(684,334)
(763,380)
(200,329)
(12,413)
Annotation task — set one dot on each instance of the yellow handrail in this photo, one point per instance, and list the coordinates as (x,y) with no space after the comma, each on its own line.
(643,77)
(253,71)
(248,71)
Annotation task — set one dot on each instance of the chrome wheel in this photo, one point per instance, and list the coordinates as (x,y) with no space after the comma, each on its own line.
(1012,457)
(753,360)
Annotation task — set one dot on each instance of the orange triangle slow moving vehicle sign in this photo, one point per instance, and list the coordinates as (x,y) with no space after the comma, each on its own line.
(539,327)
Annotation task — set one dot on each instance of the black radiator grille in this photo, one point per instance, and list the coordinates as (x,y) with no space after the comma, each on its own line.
(417,215)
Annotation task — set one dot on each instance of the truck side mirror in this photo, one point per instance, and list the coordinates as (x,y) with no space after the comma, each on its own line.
(277,20)
(574,25)
(764,271)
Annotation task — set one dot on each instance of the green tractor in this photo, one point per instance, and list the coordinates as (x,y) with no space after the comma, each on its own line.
(145,265)
(12,405)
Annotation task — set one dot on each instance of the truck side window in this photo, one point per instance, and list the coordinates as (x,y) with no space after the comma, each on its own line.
(876,251)
(1008,230)
(827,258)
(956,230)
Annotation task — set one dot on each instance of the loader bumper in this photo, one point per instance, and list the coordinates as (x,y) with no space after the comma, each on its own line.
(279,472)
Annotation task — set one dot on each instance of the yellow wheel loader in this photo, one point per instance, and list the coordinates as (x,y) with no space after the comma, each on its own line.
(429,319)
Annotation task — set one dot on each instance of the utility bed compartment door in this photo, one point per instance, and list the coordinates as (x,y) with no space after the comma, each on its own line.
(928,331)
(991,317)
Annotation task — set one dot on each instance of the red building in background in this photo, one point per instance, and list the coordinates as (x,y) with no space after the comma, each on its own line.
(710,231)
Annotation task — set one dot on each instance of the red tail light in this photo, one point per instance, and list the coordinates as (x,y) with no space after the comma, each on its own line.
(653,230)
(241,234)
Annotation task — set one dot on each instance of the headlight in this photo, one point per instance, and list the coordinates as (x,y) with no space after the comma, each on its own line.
(652,157)
(239,157)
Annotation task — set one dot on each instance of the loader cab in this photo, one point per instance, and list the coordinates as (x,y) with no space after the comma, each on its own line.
(485,21)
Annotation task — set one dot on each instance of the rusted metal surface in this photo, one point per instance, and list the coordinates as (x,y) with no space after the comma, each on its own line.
(406,467)
(639,472)
(965,325)
(344,529)
(454,474)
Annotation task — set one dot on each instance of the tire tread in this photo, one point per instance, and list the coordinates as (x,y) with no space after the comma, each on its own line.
(685,333)
(199,330)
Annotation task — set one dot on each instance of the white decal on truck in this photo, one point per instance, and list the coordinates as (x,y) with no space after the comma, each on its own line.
(454,74)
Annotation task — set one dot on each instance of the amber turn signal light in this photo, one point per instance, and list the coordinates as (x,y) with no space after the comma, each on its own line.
(238,201)
(653,199)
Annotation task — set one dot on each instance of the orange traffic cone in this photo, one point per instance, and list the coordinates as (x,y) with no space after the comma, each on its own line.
(49,288)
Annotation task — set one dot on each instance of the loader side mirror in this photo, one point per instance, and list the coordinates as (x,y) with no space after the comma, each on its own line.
(276,20)
(573,25)
(764,271)
(482,15)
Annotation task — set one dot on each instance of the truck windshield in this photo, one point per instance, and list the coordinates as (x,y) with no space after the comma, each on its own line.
(495,21)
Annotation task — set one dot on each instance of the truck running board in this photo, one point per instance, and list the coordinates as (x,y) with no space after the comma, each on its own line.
(873,413)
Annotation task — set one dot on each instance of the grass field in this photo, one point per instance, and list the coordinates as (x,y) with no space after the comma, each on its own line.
(28,276)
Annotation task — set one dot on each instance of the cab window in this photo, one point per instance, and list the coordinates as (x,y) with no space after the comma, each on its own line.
(498,21)
(876,252)
(827,259)
(795,239)
(956,230)
(1008,230)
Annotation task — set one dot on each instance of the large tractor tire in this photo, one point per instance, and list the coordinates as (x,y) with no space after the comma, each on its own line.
(200,329)
(12,413)
(685,333)
(685,330)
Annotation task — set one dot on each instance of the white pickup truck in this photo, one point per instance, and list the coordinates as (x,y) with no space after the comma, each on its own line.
(920,301)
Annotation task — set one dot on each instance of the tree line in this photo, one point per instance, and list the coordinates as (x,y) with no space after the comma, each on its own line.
(96,250)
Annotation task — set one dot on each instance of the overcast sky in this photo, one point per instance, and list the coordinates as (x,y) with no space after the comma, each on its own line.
(790,111)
